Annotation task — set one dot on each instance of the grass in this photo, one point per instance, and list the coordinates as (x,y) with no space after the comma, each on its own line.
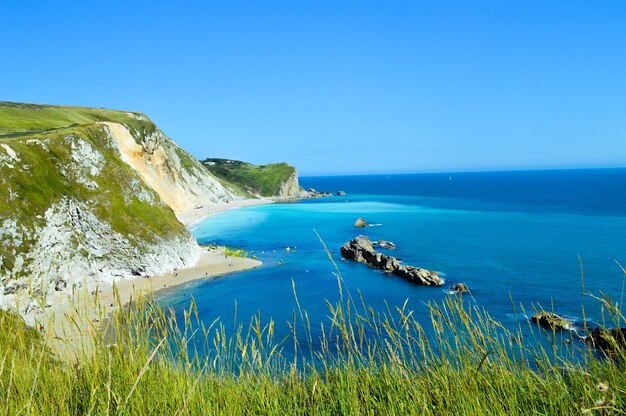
(236,252)
(18,119)
(252,180)
(369,363)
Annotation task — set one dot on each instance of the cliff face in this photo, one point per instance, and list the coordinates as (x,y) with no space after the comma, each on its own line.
(273,180)
(88,196)
(290,188)
(180,180)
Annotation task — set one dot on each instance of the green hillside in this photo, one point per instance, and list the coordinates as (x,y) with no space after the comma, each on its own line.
(252,180)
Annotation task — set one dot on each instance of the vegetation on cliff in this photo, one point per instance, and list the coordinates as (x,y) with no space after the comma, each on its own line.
(252,180)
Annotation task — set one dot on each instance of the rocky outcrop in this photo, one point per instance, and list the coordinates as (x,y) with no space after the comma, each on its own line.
(551,321)
(314,193)
(360,223)
(361,249)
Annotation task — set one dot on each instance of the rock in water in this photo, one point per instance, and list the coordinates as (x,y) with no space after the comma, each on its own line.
(361,249)
(551,320)
(461,288)
(360,222)
(388,245)
(341,193)
(608,340)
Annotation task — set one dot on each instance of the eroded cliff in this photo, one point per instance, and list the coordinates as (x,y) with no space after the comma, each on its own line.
(90,196)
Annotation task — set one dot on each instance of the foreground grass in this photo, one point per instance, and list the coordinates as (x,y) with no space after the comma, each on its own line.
(369,363)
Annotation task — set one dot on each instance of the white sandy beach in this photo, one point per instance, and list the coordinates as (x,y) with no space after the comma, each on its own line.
(192,216)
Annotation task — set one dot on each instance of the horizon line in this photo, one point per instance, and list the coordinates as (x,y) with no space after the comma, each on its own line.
(309,175)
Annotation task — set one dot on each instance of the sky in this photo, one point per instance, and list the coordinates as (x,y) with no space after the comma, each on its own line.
(340,87)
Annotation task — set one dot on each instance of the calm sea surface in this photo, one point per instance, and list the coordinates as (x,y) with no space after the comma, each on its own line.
(508,235)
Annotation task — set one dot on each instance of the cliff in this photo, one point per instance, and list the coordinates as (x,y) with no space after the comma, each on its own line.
(272,180)
(90,195)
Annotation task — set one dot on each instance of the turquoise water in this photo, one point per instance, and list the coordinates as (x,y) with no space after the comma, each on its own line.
(513,235)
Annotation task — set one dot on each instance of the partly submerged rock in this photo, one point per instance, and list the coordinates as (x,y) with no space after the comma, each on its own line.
(313,193)
(361,249)
(461,288)
(551,320)
(388,245)
(360,222)
(608,340)
(341,193)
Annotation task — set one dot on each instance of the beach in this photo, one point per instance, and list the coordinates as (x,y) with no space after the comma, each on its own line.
(192,216)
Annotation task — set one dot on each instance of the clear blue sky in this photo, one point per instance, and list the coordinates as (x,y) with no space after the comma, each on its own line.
(339,86)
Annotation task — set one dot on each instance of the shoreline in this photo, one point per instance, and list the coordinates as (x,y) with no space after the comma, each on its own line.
(191,217)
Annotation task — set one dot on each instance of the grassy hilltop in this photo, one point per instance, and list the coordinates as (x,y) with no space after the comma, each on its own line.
(18,119)
(252,180)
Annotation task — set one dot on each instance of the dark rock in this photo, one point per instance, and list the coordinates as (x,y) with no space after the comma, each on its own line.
(461,288)
(551,320)
(360,222)
(341,193)
(608,340)
(361,249)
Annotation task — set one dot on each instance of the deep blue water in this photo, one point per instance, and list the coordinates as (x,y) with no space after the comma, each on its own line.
(508,235)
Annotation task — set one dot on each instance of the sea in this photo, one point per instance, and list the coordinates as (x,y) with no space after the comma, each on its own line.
(520,240)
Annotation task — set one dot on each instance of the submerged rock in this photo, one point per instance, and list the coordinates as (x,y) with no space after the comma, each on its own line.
(551,320)
(461,288)
(360,222)
(361,249)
